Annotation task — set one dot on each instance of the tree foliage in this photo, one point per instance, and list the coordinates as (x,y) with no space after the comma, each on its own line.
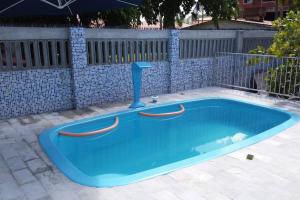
(286,41)
(220,10)
(171,9)
(284,79)
(167,9)
(152,10)
(124,18)
(295,5)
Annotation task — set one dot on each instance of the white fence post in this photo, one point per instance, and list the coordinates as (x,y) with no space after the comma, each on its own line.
(239,41)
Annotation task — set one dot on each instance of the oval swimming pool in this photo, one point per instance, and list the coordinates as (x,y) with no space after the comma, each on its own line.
(138,144)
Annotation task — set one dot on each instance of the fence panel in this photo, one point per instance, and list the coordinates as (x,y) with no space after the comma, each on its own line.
(253,39)
(201,43)
(118,51)
(253,43)
(267,74)
(28,48)
(124,46)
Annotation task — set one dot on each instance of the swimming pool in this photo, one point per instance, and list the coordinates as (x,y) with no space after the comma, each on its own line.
(138,144)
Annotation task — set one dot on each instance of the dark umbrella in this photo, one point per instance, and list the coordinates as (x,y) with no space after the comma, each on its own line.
(17,8)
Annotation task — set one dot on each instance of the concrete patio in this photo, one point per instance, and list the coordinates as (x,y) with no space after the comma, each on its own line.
(26,172)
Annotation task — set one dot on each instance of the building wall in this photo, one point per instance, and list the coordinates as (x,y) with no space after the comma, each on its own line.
(260,8)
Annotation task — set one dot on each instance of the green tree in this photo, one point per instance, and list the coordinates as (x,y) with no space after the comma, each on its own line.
(284,79)
(295,5)
(220,10)
(167,9)
(179,21)
(123,18)
(286,41)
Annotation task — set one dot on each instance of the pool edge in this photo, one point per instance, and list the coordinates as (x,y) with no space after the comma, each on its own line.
(69,170)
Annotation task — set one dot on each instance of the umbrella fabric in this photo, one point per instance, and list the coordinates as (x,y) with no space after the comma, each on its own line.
(38,8)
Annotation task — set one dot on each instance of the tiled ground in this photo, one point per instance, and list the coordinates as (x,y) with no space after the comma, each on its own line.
(26,173)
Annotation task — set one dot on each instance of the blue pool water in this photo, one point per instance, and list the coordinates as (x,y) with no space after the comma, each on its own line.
(142,147)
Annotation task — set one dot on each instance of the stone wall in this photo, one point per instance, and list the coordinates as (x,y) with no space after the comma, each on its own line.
(45,90)
(113,83)
(191,74)
(34,91)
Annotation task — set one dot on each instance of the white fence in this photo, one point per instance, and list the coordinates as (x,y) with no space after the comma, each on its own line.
(117,46)
(265,74)
(26,48)
(203,43)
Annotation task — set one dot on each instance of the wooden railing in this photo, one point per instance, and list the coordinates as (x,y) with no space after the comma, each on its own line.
(27,48)
(123,46)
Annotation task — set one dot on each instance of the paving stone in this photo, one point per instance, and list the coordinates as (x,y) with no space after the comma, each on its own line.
(8,152)
(83,111)
(34,191)
(27,120)
(165,195)
(50,178)
(3,123)
(190,193)
(7,141)
(25,151)
(45,124)
(63,193)
(15,163)
(31,138)
(2,135)
(37,166)
(98,110)
(3,166)
(9,131)
(10,191)
(37,129)
(24,176)
(69,114)
(12,121)
(45,158)
(6,177)
(35,146)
